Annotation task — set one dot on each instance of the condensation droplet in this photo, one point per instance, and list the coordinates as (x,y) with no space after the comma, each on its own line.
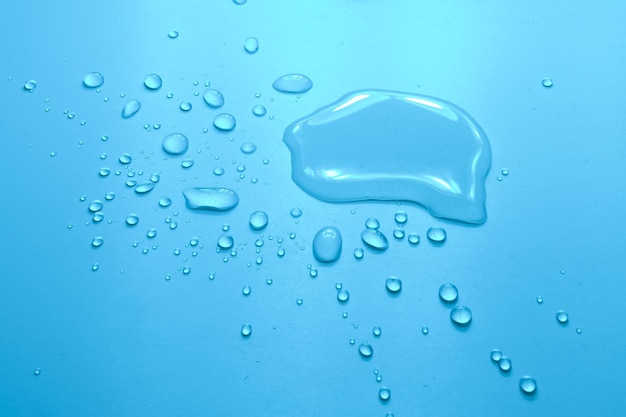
(461,316)
(327,244)
(93,80)
(251,45)
(293,83)
(213,98)
(131,108)
(153,82)
(448,293)
(393,285)
(436,234)
(224,122)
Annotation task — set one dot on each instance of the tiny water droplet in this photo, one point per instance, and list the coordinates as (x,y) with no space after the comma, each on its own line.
(251,45)
(151,233)
(95,205)
(144,187)
(218,171)
(185,106)
(173,34)
(539,299)
(187,163)
(547,82)
(37,372)
(358,253)
(400,217)
(125,159)
(153,82)
(246,330)
(393,285)
(562,317)
(448,293)
(293,83)
(213,98)
(131,108)
(461,316)
(224,122)
(398,233)
(579,330)
(246,290)
(528,385)
(343,295)
(175,144)
(97,241)
(376,331)
(424,330)
(225,242)
(365,350)
(414,238)
(93,80)
(372,223)
(299,301)
(95,266)
(258,220)
(436,234)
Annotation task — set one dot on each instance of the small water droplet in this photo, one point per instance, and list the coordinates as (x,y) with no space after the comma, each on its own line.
(505,171)
(343,295)
(547,82)
(165,202)
(187,163)
(327,244)
(372,223)
(175,144)
(496,355)
(299,301)
(93,80)
(185,106)
(144,187)
(246,290)
(246,330)
(213,98)
(125,159)
(132,219)
(97,241)
(131,108)
(400,217)
(365,350)
(258,220)
(293,83)
(562,317)
(376,331)
(225,242)
(37,372)
(374,239)
(505,364)
(95,266)
(398,233)
(248,148)
(539,299)
(251,45)
(414,238)
(461,316)
(218,171)
(172,34)
(30,86)
(393,285)
(95,205)
(384,394)
(259,110)
(436,234)
(528,385)
(151,233)
(358,253)
(224,122)
(425,330)
(448,293)
(153,82)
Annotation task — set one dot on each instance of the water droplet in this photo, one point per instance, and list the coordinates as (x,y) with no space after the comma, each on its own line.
(496,355)
(240,2)
(173,34)
(144,187)
(97,241)
(366,350)
(299,301)
(153,81)
(175,144)
(461,316)
(337,157)
(95,266)
(93,80)
(414,238)
(225,242)
(131,108)
(394,285)
(125,159)
(218,171)
(185,106)
(37,372)
(562,317)
(448,293)
(505,364)
(547,82)
(343,295)
(98,217)
(505,171)
(132,219)
(186,270)
(95,205)
(374,239)
(293,83)
(258,220)
(400,217)
(579,330)
(327,244)
(539,299)
(165,202)
(246,290)
(398,233)
(528,385)
(384,394)
(295,212)
(358,253)
(224,122)
(280,252)
(376,331)
(213,98)
(425,330)
(251,45)
(259,110)
(246,330)
(436,234)
(30,86)
(248,148)
(210,198)
(187,163)
(372,223)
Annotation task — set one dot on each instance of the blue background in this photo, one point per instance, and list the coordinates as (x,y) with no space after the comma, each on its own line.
(124,341)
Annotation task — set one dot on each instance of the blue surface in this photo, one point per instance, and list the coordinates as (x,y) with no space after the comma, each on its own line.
(125,341)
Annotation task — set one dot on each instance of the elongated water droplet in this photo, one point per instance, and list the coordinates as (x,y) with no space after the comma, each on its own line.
(97,241)
(165,202)
(251,45)
(393,285)
(213,98)
(461,316)
(448,293)
(144,187)
(528,385)
(30,85)
(125,159)
(93,80)
(327,244)
(210,198)
(293,83)
(374,239)
(372,223)
(131,108)
(547,82)
(172,34)
(132,219)
(248,148)
(258,220)
(337,154)
(224,122)
(95,205)
(153,82)
(175,144)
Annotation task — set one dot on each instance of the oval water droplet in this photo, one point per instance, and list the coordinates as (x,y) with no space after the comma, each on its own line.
(172,34)
(343,295)
(132,219)
(327,244)
(376,331)
(393,285)
(30,85)
(210,198)
(365,350)
(153,81)
(413,238)
(562,317)
(374,239)
(95,205)
(187,163)
(225,242)
(358,253)
(461,316)
(259,110)
(528,385)
(295,212)
(175,144)
(246,290)
(258,220)
(131,108)
(547,82)
(185,106)
(248,148)
(224,122)
(448,293)
(384,394)
(251,45)
(246,330)
(213,98)
(293,83)
(165,202)
(97,241)
(93,80)
(436,234)
(144,187)
(337,154)
(125,159)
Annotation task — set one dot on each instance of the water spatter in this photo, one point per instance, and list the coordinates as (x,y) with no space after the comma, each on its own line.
(131,108)
(175,144)
(93,80)
(293,83)
(210,198)
(224,122)
(327,244)
(461,316)
(374,239)
(213,98)
(336,153)
(153,81)
(251,45)
(448,293)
